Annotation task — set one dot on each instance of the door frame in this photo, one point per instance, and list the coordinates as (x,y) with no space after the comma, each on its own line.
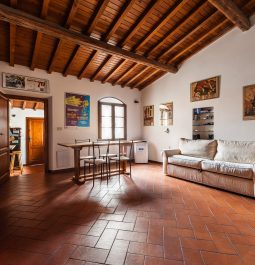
(46,122)
(27,134)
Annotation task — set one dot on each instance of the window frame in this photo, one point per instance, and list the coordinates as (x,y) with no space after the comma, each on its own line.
(113,119)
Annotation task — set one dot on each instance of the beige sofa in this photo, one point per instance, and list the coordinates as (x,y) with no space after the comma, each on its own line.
(227,165)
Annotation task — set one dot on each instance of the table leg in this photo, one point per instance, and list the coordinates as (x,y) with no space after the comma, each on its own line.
(76,178)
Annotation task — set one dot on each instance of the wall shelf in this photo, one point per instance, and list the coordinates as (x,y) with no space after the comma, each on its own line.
(203,123)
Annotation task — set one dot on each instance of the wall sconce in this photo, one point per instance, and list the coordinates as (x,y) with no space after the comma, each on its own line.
(167,130)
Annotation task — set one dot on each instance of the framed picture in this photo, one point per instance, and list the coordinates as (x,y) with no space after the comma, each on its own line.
(14,81)
(205,89)
(148,115)
(77,110)
(166,114)
(249,102)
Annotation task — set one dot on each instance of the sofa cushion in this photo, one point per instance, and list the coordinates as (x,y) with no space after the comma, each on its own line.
(185,161)
(228,168)
(236,152)
(198,148)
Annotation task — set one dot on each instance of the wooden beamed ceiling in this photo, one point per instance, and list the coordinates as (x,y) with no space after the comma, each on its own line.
(127,42)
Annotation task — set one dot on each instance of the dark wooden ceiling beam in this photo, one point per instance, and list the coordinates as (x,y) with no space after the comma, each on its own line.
(199,40)
(151,80)
(59,46)
(147,77)
(142,18)
(26,20)
(233,13)
(105,61)
(85,66)
(73,57)
(196,28)
(136,76)
(117,21)
(114,70)
(127,72)
(12,41)
(165,18)
(102,4)
(38,39)
(24,105)
(176,27)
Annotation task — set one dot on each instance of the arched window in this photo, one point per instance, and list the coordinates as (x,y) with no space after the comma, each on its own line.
(112,119)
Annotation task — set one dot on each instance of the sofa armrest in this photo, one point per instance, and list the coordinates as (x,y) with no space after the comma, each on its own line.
(168,153)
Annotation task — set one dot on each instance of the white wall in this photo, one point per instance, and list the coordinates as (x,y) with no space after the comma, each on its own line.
(20,121)
(233,58)
(58,86)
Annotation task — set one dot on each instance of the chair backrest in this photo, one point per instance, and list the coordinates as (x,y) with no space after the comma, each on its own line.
(103,146)
(97,145)
(79,141)
(128,143)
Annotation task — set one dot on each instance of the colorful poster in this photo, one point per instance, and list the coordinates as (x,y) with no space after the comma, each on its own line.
(77,110)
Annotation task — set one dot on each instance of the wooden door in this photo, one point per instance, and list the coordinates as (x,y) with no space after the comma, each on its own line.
(35,141)
(4,138)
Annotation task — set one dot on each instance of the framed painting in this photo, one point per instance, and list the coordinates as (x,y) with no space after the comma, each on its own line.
(205,89)
(249,102)
(77,110)
(166,114)
(148,115)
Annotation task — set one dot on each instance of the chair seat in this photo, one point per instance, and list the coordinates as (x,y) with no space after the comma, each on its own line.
(108,155)
(120,158)
(97,161)
(86,157)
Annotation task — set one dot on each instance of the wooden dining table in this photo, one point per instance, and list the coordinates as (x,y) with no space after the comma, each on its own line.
(77,147)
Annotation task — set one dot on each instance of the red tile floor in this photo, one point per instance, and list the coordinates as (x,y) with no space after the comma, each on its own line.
(149,219)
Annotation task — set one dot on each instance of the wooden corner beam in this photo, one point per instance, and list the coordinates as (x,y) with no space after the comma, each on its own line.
(233,13)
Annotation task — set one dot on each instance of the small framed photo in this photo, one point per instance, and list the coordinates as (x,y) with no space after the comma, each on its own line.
(205,89)
(249,102)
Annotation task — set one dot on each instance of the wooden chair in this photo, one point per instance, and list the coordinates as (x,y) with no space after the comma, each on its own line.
(88,156)
(96,162)
(122,158)
(13,156)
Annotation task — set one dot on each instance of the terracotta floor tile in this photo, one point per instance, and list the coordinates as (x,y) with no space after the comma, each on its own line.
(192,256)
(168,220)
(211,258)
(198,244)
(90,254)
(145,249)
(172,248)
(131,236)
(133,259)
(247,253)
(121,225)
(118,252)
(160,261)
(107,238)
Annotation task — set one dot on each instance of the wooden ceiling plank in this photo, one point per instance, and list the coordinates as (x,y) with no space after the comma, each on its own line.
(193,44)
(23,19)
(134,68)
(233,13)
(71,60)
(118,20)
(197,27)
(102,4)
(176,27)
(142,18)
(165,18)
(85,67)
(136,76)
(147,77)
(114,70)
(44,12)
(12,40)
(127,72)
(68,23)
(12,43)
(106,60)
(149,82)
